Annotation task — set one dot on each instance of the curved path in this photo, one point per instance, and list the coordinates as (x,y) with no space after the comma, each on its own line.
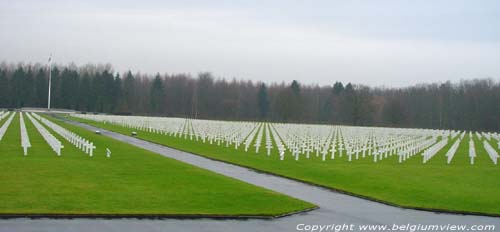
(335,208)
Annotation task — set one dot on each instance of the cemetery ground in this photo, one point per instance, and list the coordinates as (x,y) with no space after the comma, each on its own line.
(132,181)
(457,187)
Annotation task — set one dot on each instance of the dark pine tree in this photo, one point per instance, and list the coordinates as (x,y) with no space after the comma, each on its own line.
(263,101)
(4,90)
(157,95)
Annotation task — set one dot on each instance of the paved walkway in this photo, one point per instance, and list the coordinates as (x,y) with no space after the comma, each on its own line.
(335,208)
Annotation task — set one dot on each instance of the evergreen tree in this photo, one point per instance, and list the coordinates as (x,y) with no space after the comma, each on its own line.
(85,93)
(263,101)
(16,85)
(41,87)
(338,87)
(128,92)
(4,90)
(55,92)
(117,93)
(28,89)
(295,87)
(393,112)
(296,102)
(69,89)
(109,83)
(157,95)
(347,105)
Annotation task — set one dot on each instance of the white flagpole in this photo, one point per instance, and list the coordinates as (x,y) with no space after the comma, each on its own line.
(50,80)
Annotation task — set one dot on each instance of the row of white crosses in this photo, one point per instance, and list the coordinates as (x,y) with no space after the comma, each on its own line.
(355,142)
(53,142)
(413,146)
(223,133)
(3,114)
(490,136)
(498,141)
(220,133)
(486,138)
(278,141)
(6,125)
(258,140)
(166,126)
(25,140)
(472,151)
(269,141)
(79,142)
(453,149)
(249,139)
(300,140)
(451,152)
(491,152)
(212,130)
(430,152)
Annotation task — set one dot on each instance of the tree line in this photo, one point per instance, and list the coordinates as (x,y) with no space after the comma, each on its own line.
(466,105)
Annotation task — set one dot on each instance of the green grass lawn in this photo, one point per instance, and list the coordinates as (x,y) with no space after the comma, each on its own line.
(132,181)
(435,185)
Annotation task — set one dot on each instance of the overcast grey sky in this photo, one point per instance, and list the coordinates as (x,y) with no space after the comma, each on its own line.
(390,43)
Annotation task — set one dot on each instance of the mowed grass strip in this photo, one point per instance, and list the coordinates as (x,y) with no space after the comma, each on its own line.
(132,181)
(435,185)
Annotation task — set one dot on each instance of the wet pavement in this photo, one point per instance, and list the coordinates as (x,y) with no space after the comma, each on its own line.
(338,211)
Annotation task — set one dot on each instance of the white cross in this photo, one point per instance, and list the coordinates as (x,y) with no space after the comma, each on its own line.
(91,148)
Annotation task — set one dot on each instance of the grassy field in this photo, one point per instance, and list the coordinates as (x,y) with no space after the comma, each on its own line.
(435,185)
(132,181)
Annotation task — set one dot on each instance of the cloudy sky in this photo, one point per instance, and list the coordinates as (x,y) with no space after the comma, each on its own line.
(378,43)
